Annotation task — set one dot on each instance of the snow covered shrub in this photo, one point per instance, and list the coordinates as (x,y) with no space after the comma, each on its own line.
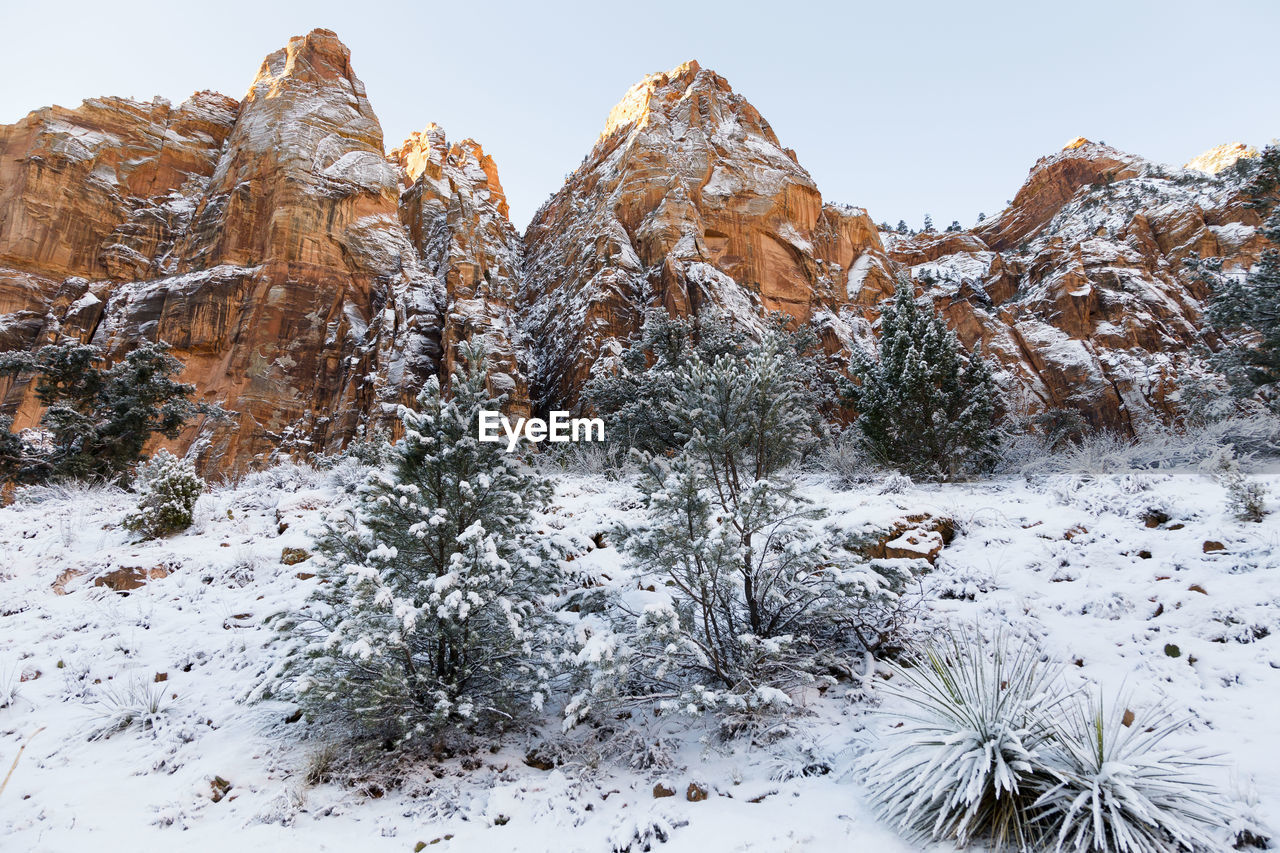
(966,765)
(754,590)
(924,406)
(995,750)
(134,703)
(844,458)
(1115,786)
(596,459)
(428,621)
(643,378)
(10,681)
(646,378)
(1246,499)
(168,490)
(99,415)
(894,483)
(370,447)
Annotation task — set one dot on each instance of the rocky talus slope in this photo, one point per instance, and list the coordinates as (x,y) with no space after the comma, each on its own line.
(311,281)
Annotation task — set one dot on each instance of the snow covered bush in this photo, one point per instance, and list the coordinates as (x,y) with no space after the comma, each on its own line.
(645,378)
(129,704)
(1246,499)
(428,621)
(754,590)
(1116,787)
(967,765)
(637,384)
(924,406)
(99,415)
(10,681)
(844,457)
(168,490)
(994,750)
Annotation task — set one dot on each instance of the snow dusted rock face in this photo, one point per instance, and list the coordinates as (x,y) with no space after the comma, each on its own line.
(456,214)
(264,240)
(101,191)
(294,269)
(688,200)
(1221,157)
(1078,289)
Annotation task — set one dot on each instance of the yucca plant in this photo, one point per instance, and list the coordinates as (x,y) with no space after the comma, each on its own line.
(1117,787)
(966,764)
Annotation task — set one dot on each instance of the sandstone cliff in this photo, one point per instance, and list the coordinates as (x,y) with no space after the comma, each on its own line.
(265,240)
(687,201)
(1079,288)
(310,281)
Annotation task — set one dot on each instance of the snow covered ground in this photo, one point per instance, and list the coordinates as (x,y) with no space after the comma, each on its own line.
(1117,576)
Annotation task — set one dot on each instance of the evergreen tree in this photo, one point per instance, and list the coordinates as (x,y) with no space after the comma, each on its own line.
(923,407)
(954,226)
(903,228)
(429,620)
(928,223)
(168,489)
(752,580)
(1251,304)
(99,416)
(981,216)
(634,393)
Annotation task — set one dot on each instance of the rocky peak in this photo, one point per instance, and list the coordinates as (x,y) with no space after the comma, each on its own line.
(428,150)
(455,213)
(317,59)
(263,240)
(1051,184)
(424,150)
(1221,157)
(688,201)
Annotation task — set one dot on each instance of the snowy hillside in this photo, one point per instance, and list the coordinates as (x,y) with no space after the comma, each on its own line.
(1137,581)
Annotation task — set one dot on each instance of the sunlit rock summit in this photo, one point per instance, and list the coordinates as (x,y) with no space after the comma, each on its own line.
(311,281)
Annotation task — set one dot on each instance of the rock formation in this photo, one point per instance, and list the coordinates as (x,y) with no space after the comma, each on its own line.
(310,281)
(1079,288)
(687,201)
(264,240)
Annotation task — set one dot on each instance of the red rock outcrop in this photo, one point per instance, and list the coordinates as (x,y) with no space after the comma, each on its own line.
(687,201)
(263,240)
(1079,289)
(456,215)
(310,282)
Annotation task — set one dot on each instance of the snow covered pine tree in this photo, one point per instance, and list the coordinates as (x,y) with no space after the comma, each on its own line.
(168,489)
(754,592)
(1251,304)
(922,406)
(428,623)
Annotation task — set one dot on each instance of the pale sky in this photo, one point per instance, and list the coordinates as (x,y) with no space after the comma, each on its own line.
(902,108)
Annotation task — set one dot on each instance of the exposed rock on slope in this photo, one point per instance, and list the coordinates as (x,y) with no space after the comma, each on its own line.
(264,241)
(102,190)
(1079,288)
(456,215)
(688,200)
(310,281)
(1221,157)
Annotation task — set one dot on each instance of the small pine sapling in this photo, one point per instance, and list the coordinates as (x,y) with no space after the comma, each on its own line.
(168,490)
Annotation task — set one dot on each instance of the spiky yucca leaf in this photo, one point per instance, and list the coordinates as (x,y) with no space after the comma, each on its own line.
(966,764)
(1119,788)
